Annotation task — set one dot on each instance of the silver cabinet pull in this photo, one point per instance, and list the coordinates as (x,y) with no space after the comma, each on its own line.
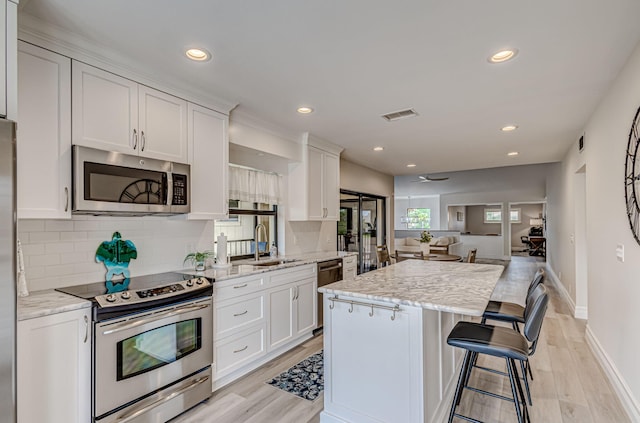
(240,286)
(137,413)
(143,140)
(241,314)
(86,329)
(241,349)
(66,201)
(134,139)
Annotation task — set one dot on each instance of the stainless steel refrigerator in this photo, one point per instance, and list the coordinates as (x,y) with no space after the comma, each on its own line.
(7,271)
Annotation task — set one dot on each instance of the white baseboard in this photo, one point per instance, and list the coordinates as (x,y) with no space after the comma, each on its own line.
(580,312)
(565,295)
(629,402)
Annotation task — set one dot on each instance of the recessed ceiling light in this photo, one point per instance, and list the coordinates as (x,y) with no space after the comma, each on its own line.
(512,153)
(198,54)
(305,110)
(411,165)
(503,55)
(509,128)
(378,148)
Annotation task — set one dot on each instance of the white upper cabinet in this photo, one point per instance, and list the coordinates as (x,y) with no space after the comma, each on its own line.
(163,125)
(44,134)
(314,184)
(3,58)
(209,160)
(116,114)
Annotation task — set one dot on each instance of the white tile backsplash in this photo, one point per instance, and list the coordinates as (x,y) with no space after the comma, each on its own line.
(62,252)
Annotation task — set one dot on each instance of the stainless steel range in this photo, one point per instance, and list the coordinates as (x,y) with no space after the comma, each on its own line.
(152,346)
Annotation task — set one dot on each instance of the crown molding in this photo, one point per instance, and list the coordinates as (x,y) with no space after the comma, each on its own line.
(59,40)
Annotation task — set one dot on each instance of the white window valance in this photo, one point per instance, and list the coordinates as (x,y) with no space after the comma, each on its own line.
(254,186)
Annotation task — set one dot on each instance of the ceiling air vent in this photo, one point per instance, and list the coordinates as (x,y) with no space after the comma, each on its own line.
(402,114)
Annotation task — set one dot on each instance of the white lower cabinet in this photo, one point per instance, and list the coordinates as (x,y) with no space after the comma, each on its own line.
(281,306)
(349,267)
(54,368)
(257,318)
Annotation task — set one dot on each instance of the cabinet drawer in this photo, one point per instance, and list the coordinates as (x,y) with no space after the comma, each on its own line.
(291,275)
(349,260)
(231,316)
(234,353)
(236,287)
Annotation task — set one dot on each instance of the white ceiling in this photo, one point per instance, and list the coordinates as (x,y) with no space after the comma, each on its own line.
(355,60)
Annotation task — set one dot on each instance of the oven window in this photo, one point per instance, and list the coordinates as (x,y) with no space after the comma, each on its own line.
(155,348)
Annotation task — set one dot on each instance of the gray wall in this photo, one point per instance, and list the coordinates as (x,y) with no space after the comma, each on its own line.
(475,221)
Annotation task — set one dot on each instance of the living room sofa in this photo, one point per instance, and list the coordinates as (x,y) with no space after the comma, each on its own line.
(438,245)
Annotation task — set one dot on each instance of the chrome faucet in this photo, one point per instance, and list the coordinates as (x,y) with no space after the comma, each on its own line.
(255,237)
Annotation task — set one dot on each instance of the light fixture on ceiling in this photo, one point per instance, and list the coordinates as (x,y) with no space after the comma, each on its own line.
(512,153)
(305,110)
(378,148)
(503,56)
(411,165)
(198,54)
(509,128)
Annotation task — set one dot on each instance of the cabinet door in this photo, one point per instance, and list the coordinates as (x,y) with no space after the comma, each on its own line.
(306,303)
(209,159)
(54,368)
(105,110)
(315,189)
(280,316)
(331,186)
(44,134)
(162,125)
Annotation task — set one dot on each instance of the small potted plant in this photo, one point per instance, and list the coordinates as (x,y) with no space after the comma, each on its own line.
(199,258)
(425,238)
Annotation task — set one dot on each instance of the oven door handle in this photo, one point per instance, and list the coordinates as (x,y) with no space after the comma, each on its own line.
(326,269)
(137,413)
(154,317)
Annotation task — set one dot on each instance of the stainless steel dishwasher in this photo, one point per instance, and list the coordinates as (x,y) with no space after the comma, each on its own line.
(329,271)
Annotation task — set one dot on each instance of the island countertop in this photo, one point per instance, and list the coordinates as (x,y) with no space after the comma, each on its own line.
(463,288)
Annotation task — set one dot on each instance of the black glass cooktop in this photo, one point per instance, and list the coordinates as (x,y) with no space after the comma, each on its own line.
(137,283)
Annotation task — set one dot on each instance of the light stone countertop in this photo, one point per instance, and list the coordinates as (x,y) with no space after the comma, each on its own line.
(44,303)
(246,268)
(462,288)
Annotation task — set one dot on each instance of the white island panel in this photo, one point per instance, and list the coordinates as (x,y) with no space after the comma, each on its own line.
(379,369)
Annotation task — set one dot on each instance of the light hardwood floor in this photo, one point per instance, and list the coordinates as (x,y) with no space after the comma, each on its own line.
(568,385)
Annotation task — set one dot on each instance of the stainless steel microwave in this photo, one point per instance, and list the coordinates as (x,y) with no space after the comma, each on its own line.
(113,183)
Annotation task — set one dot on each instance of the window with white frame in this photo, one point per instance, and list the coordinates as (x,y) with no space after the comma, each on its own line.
(492,215)
(495,216)
(418,218)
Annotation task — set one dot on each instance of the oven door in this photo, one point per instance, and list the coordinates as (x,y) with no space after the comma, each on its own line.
(138,355)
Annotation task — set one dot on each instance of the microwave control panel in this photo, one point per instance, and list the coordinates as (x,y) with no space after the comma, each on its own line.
(179,190)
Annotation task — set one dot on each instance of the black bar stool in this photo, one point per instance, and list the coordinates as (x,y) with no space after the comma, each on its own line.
(511,312)
(497,341)
(514,313)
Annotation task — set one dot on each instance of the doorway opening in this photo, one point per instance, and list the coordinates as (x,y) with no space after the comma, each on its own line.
(362,227)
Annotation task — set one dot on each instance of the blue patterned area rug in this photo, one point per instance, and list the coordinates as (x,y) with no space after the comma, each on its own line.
(305,379)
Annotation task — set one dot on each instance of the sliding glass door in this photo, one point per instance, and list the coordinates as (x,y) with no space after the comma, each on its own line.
(361,227)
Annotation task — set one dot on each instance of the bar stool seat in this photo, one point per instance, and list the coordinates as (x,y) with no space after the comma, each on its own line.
(503,311)
(511,312)
(491,340)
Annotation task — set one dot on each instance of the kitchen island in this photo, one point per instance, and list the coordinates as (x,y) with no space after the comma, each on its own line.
(385,353)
